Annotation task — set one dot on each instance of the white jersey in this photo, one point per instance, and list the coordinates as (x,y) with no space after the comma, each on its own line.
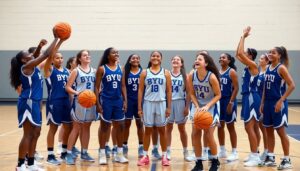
(85,80)
(178,88)
(155,86)
(203,89)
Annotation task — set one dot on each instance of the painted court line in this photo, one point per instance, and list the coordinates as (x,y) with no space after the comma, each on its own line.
(10,132)
(294,110)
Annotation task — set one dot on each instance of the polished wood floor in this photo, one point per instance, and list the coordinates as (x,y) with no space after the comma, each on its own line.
(10,136)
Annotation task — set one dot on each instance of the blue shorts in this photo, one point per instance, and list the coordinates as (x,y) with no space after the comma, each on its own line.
(31,110)
(250,107)
(224,116)
(273,119)
(132,109)
(58,111)
(112,110)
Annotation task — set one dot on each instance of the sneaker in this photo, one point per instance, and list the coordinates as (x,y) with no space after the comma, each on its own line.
(198,166)
(69,159)
(209,155)
(253,161)
(204,156)
(141,151)
(168,154)
(222,154)
(120,158)
(155,154)
(102,159)
(114,152)
(86,157)
(270,161)
(285,164)
(187,157)
(233,157)
(263,156)
(144,161)
(21,168)
(35,168)
(247,158)
(52,160)
(63,156)
(107,151)
(215,164)
(125,150)
(75,150)
(38,156)
(165,161)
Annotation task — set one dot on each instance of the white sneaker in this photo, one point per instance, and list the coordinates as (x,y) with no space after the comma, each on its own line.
(120,158)
(188,157)
(204,156)
(169,154)
(222,154)
(35,168)
(102,159)
(233,157)
(38,156)
(22,168)
(263,156)
(253,161)
(247,158)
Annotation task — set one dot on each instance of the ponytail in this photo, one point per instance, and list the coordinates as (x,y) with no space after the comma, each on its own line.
(15,69)
(284,59)
(232,61)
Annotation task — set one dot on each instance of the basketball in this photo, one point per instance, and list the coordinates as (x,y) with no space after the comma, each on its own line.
(87,98)
(63,30)
(202,120)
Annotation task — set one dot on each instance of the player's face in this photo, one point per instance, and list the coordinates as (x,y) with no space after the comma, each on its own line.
(58,60)
(273,55)
(176,62)
(262,60)
(113,55)
(85,57)
(155,58)
(26,57)
(223,60)
(200,62)
(135,60)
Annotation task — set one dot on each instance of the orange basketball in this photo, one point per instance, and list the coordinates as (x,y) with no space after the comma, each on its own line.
(63,30)
(87,98)
(202,120)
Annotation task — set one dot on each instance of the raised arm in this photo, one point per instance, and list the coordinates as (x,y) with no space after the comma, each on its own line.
(141,92)
(99,75)
(48,66)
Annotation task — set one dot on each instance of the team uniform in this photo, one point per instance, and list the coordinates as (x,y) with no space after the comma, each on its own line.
(178,100)
(260,83)
(84,81)
(132,87)
(250,97)
(226,91)
(29,103)
(204,94)
(154,106)
(111,95)
(275,87)
(58,105)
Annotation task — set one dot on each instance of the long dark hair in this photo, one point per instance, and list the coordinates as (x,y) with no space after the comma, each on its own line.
(232,61)
(70,60)
(211,66)
(182,70)
(15,69)
(127,66)
(78,56)
(284,58)
(104,58)
(149,64)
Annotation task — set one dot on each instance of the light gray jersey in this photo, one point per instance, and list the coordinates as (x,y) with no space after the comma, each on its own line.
(178,90)
(85,80)
(155,86)
(203,89)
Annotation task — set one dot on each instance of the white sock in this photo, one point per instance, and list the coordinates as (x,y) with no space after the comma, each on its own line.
(106,144)
(168,148)
(286,157)
(120,150)
(222,148)
(234,150)
(164,153)
(102,151)
(185,149)
(69,151)
(145,153)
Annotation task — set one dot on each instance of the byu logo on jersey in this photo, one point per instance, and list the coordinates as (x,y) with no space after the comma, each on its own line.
(113,77)
(84,79)
(133,81)
(151,81)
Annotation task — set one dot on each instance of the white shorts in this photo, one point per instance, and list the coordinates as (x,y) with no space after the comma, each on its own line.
(177,110)
(154,113)
(214,110)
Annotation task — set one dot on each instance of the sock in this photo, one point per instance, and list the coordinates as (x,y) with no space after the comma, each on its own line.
(155,146)
(120,150)
(50,151)
(69,151)
(140,145)
(234,150)
(64,147)
(83,151)
(106,144)
(115,146)
(145,153)
(168,148)
(198,158)
(206,149)
(30,161)
(266,151)
(125,145)
(140,142)
(164,153)
(214,156)
(102,151)
(60,144)
(20,162)
(185,149)
(286,157)
(222,147)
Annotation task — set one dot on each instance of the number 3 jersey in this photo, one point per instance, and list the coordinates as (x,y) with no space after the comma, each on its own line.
(85,80)
(132,85)
(112,83)
(155,86)
(203,90)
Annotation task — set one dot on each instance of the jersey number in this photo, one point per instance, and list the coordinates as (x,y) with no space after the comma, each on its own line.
(115,84)
(175,89)
(134,87)
(154,88)
(268,85)
(88,85)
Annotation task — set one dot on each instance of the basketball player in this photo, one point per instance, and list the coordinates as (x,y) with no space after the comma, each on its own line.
(155,90)
(228,105)
(84,78)
(250,98)
(274,104)
(205,94)
(24,71)
(180,106)
(112,104)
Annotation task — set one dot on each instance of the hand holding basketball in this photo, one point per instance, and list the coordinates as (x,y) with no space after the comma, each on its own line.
(62,30)
(87,98)
(202,120)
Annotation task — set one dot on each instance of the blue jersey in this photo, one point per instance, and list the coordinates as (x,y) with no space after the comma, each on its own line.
(32,85)
(226,83)
(56,83)
(275,86)
(112,83)
(132,85)
(260,83)
(249,82)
